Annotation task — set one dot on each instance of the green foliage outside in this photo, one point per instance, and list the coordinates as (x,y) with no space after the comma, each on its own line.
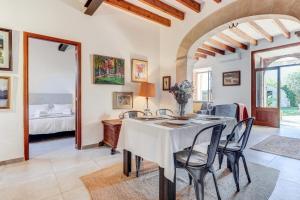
(291,111)
(293,83)
(290,95)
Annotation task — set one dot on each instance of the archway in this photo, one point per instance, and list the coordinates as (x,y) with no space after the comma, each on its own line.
(236,10)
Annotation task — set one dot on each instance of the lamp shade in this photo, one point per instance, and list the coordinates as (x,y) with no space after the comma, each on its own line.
(147,89)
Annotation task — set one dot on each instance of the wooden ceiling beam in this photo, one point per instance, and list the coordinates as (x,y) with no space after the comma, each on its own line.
(204,51)
(166,8)
(221,45)
(282,28)
(213,49)
(200,55)
(261,31)
(232,41)
(129,7)
(192,4)
(244,36)
(92,6)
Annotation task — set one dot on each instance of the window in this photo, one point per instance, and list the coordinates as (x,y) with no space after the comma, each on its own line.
(202,85)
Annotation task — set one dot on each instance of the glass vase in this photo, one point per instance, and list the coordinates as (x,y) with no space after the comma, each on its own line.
(182,109)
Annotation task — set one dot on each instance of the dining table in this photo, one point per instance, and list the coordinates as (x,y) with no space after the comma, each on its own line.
(158,139)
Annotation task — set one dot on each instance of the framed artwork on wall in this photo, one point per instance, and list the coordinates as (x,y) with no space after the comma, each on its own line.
(122,100)
(139,70)
(232,78)
(166,82)
(108,70)
(5,49)
(4,92)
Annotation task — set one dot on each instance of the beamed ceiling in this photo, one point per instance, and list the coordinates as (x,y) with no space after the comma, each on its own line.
(159,11)
(241,36)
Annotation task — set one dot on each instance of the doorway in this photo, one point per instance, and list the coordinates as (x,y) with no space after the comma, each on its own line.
(51,97)
(275,86)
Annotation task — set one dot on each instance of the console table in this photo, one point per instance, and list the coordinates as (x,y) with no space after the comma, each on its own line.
(111,130)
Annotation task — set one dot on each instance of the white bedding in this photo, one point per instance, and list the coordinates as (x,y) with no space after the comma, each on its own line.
(51,123)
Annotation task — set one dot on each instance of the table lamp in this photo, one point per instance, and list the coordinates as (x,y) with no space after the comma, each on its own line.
(147,90)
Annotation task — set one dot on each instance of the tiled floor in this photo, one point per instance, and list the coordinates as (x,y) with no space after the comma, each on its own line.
(55,175)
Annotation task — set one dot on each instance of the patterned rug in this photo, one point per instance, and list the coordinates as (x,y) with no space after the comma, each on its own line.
(279,145)
(111,184)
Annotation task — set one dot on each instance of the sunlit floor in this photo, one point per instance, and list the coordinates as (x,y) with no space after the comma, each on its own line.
(293,121)
(55,175)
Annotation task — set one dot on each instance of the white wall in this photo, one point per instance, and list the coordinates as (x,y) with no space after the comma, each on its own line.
(51,70)
(171,38)
(109,32)
(242,93)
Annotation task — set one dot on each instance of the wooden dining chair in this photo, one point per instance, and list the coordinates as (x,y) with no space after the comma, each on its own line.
(164,111)
(198,164)
(234,149)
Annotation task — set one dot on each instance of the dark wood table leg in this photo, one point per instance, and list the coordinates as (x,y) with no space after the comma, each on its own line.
(126,162)
(167,188)
(113,151)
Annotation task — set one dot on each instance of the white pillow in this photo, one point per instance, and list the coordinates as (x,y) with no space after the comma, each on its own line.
(62,108)
(35,110)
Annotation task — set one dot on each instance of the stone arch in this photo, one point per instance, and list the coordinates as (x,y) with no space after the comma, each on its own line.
(236,10)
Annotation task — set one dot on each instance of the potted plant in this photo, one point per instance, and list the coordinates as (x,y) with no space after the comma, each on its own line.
(182,92)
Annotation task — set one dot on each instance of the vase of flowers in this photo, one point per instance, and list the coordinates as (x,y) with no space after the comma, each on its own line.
(182,92)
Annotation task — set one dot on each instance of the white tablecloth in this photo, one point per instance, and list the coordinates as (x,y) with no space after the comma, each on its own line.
(158,143)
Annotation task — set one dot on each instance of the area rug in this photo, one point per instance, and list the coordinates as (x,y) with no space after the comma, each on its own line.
(279,145)
(111,184)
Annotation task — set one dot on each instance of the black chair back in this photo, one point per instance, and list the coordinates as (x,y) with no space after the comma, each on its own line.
(214,143)
(243,130)
(164,111)
(245,136)
(226,110)
(131,114)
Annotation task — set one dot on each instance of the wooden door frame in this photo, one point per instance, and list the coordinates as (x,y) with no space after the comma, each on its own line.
(253,77)
(26,37)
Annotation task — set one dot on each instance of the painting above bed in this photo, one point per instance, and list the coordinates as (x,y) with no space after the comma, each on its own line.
(108,70)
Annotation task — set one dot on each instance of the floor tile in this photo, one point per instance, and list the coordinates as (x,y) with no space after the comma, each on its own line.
(258,157)
(80,193)
(25,171)
(286,190)
(56,197)
(35,189)
(70,178)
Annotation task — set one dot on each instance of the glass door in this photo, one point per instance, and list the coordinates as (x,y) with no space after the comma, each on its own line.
(265,92)
(290,95)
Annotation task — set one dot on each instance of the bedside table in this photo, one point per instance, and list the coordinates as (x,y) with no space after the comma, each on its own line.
(111,133)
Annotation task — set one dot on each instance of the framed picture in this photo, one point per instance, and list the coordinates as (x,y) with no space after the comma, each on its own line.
(5,49)
(232,78)
(139,70)
(108,70)
(4,92)
(122,100)
(166,82)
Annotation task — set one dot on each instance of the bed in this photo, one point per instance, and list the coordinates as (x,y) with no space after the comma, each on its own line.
(51,113)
